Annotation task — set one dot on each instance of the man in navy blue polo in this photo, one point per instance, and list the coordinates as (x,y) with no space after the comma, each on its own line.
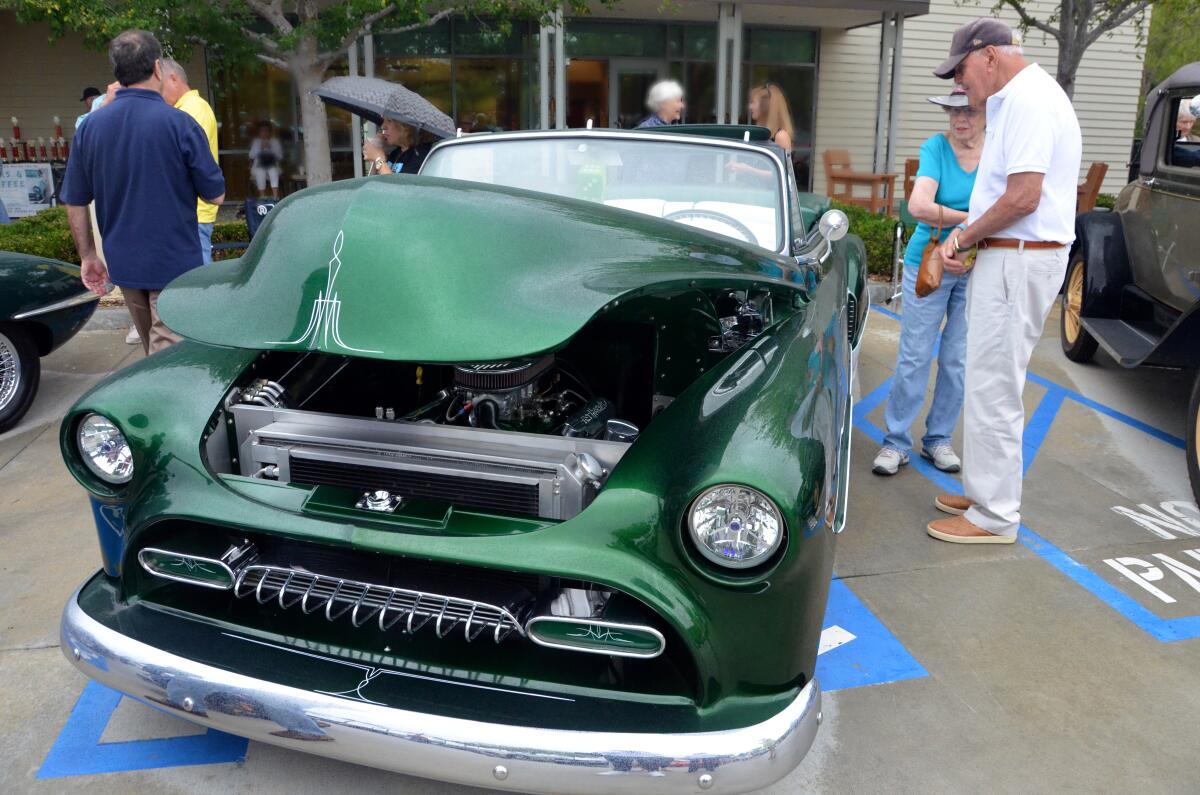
(145,164)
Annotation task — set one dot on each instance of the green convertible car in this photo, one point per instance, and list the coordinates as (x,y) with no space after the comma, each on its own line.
(524,472)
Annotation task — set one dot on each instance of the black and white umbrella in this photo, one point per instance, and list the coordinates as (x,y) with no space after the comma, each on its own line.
(375,99)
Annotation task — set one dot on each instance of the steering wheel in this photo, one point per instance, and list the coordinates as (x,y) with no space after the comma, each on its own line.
(712,215)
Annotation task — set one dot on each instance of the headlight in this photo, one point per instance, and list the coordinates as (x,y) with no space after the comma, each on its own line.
(735,526)
(105,450)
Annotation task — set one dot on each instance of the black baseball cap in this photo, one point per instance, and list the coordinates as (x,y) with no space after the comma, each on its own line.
(89,92)
(975,36)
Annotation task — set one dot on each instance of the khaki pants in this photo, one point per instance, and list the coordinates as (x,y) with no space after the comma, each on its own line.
(1009,295)
(143,308)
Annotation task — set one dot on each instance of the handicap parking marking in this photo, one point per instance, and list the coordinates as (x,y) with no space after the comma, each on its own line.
(78,751)
(857,649)
(1110,588)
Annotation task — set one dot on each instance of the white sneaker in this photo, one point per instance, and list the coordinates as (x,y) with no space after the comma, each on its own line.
(889,461)
(132,337)
(943,457)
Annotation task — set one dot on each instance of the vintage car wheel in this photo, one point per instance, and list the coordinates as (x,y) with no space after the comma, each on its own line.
(1193,439)
(1077,344)
(20,369)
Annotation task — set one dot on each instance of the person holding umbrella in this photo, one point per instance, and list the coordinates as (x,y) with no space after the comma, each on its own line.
(407,154)
(405,119)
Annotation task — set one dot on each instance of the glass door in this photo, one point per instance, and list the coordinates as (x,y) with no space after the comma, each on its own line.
(629,82)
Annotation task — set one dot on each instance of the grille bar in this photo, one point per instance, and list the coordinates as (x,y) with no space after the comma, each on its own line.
(362,602)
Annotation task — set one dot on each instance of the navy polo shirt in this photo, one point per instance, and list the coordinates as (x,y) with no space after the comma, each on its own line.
(144,163)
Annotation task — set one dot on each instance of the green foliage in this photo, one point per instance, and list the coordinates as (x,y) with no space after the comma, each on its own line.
(46,234)
(229,232)
(1106,200)
(878,235)
(1174,40)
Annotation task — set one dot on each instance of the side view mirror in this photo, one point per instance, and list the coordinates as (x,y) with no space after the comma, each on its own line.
(832,227)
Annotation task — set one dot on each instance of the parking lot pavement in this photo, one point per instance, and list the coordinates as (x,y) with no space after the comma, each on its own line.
(1068,661)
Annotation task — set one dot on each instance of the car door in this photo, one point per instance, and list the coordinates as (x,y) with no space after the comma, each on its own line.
(1161,215)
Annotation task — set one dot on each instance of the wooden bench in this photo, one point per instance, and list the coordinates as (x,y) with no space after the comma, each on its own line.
(841,180)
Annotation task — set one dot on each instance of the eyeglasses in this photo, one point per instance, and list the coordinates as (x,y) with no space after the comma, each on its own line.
(969,112)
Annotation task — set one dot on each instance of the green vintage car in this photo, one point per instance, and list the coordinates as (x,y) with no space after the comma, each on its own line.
(42,305)
(524,472)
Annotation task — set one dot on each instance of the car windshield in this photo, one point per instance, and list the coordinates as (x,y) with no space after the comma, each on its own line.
(728,190)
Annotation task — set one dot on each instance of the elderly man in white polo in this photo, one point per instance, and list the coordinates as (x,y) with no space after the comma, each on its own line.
(1022,219)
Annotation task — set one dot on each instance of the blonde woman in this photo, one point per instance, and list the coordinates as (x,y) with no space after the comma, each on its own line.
(769,108)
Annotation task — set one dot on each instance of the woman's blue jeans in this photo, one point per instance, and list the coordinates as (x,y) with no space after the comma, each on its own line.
(919,328)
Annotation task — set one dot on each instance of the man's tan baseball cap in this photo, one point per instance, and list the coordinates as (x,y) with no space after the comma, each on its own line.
(974,36)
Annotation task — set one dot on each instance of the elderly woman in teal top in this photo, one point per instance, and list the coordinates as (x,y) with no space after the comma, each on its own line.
(944,180)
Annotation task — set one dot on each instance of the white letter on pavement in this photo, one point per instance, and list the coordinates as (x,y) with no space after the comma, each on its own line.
(1151,574)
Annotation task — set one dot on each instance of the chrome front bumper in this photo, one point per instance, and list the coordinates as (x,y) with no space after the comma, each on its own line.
(449,749)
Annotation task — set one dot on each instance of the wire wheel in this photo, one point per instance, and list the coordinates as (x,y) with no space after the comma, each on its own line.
(10,371)
(1072,305)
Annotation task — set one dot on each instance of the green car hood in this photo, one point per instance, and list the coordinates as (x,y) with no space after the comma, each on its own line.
(437,270)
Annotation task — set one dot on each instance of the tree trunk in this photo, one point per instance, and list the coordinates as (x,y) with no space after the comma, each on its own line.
(1068,65)
(308,74)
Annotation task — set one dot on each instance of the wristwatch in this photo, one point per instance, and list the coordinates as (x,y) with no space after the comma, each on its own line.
(959,248)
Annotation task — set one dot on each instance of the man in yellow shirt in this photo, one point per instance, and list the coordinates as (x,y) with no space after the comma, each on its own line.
(179,94)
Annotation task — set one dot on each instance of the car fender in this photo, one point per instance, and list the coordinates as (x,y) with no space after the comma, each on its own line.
(1100,237)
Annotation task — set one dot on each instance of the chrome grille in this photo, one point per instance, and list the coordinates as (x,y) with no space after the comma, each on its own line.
(851,316)
(363,602)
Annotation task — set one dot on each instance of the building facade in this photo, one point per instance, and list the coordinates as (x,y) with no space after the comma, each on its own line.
(856,74)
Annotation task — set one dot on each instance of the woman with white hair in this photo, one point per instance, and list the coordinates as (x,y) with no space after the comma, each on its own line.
(665,102)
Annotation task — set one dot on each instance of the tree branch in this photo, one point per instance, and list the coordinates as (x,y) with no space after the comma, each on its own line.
(1031,21)
(272,12)
(267,59)
(358,30)
(266,42)
(1116,21)
(361,28)
(433,20)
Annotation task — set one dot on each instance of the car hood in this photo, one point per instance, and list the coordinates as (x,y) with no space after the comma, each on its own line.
(437,270)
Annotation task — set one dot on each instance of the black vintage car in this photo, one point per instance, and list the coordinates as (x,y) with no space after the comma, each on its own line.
(1133,281)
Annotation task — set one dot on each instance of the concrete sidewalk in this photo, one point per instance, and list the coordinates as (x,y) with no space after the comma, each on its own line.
(1051,665)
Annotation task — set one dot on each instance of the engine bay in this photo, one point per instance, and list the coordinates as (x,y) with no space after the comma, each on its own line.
(534,436)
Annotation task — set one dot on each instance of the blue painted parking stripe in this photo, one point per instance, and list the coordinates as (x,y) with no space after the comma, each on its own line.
(1039,425)
(1170,439)
(79,752)
(872,656)
(1081,399)
(1162,629)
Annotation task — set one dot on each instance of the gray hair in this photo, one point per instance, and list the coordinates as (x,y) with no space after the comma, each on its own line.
(1010,49)
(171,65)
(662,91)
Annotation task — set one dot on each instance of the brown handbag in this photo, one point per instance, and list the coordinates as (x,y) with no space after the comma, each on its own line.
(929,275)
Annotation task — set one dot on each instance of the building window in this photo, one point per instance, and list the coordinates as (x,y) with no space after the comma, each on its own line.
(788,58)
(481,78)
(612,64)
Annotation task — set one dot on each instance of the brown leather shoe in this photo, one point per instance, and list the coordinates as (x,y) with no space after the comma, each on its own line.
(952,503)
(959,530)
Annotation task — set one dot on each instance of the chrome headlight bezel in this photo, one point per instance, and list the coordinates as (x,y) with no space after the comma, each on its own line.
(104,449)
(766,540)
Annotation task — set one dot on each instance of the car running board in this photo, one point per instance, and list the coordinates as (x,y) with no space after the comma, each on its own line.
(1128,345)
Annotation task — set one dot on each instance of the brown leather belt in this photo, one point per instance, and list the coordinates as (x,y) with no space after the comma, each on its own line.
(1010,242)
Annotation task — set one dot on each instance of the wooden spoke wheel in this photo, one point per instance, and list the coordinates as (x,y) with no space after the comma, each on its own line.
(1077,344)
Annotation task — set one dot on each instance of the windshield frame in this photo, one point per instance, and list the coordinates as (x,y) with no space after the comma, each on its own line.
(772,152)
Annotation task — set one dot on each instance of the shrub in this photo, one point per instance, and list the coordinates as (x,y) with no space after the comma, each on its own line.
(877,233)
(46,234)
(1106,200)
(229,232)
